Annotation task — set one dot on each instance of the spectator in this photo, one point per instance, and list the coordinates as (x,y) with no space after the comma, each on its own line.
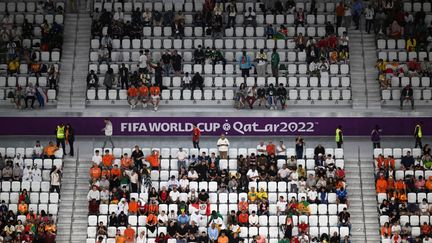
(132,96)
(270,31)
(407,94)
(282,95)
(30,95)
(155,96)
(369,16)
(357,9)
(223,144)
(92,80)
(271,92)
(250,18)
(299,18)
(197,81)
(245,64)
(261,65)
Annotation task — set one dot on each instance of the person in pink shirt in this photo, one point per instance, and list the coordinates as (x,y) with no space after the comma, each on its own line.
(260,239)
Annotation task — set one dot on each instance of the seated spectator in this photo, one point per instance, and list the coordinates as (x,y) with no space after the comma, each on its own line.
(407,94)
(197,81)
(132,96)
(50,150)
(155,96)
(300,42)
(395,30)
(270,31)
(408,160)
(250,18)
(299,18)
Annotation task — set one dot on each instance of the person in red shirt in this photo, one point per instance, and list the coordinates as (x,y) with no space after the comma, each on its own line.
(196,134)
(143,92)
(155,96)
(303,227)
(132,96)
(243,219)
(271,148)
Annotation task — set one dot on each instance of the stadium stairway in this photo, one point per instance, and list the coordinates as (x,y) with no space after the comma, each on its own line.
(64,95)
(72,222)
(362,202)
(365,90)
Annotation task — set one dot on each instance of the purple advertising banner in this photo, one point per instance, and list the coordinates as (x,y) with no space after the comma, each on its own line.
(214,126)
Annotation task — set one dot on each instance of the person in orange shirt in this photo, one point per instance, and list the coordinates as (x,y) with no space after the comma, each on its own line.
(143,92)
(132,96)
(270,148)
(126,162)
(95,172)
(22,208)
(380,162)
(129,233)
(50,150)
(106,173)
(153,159)
(389,162)
(119,238)
(115,171)
(381,185)
(153,208)
(243,205)
(400,185)
(155,96)
(151,222)
(385,230)
(133,206)
(390,185)
(107,159)
(243,219)
(428,184)
(223,238)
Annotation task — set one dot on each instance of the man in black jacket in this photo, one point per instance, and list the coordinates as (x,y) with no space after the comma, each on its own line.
(124,76)
(197,81)
(282,93)
(92,80)
(407,94)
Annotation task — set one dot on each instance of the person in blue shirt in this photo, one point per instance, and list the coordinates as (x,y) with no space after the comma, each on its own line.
(357,9)
(245,64)
(183,218)
(342,195)
(270,31)
(213,233)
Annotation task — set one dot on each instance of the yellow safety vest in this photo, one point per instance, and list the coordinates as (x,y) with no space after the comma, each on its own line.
(419,133)
(338,138)
(60,132)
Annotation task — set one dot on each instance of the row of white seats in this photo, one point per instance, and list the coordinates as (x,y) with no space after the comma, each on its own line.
(34,186)
(13,81)
(264,220)
(228,43)
(425,94)
(27,6)
(324,81)
(417,6)
(178,94)
(391,44)
(414,220)
(402,174)
(27,152)
(196,5)
(37,208)
(403,56)
(413,81)
(292,69)
(35,197)
(167,153)
(413,197)
(274,233)
(37,18)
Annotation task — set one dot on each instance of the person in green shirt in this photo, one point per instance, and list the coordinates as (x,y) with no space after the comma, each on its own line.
(284,240)
(275,59)
(217,57)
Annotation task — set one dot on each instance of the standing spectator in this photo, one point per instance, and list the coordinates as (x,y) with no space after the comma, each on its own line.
(108,130)
(142,62)
(282,95)
(223,145)
(60,136)
(357,9)
(340,12)
(245,64)
(299,18)
(407,94)
(176,62)
(232,13)
(261,65)
(275,59)
(418,135)
(55,180)
(369,16)
(241,96)
(166,63)
(70,138)
(196,135)
(339,136)
(347,16)
(124,76)
(376,137)
(199,55)
(108,80)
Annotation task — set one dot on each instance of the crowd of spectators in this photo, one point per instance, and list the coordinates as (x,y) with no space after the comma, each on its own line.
(115,181)
(396,189)
(22,44)
(22,223)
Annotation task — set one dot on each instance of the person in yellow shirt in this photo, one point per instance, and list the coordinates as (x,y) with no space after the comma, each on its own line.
(51,227)
(252,195)
(381,65)
(411,44)
(13,66)
(262,195)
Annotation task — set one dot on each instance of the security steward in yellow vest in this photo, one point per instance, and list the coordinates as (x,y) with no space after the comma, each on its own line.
(339,136)
(418,133)
(61,137)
